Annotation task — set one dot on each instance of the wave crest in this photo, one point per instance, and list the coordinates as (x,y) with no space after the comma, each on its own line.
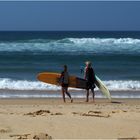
(77,45)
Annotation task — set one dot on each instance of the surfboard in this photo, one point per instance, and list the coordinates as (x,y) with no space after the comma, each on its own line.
(54,78)
(102,87)
(74,82)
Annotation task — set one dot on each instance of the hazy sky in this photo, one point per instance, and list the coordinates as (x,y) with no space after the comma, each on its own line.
(64,15)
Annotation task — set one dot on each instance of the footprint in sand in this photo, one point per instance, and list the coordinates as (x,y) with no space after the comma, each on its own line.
(40,136)
(128,139)
(96,114)
(76,113)
(39,112)
(42,113)
(18,136)
(93,114)
(99,113)
(118,111)
(5,130)
(58,113)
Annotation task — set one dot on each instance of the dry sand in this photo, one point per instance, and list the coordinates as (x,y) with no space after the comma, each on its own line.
(53,119)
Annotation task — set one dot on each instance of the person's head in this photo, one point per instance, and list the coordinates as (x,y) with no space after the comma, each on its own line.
(88,64)
(65,67)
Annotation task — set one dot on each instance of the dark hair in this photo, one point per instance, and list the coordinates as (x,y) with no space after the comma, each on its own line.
(65,66)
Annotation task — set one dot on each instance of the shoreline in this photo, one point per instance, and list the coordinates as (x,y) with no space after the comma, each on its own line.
(55,101)
(35,94)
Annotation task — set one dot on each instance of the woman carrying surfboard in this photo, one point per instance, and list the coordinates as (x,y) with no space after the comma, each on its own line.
(64,79)
(90,77)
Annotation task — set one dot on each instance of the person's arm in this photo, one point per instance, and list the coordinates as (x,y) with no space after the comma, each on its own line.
(61,74)
(68,78)
(93,75)
(61,78)
(85,73)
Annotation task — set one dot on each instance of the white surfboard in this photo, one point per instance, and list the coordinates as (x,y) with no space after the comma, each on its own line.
(102,87)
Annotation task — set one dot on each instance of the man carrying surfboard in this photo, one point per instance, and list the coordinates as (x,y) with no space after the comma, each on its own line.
(64,79)
(89,75)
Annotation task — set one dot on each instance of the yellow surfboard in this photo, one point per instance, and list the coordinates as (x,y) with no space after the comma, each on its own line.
(54,78)
(74,82)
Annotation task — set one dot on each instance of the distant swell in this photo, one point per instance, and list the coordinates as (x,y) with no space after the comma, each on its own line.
(9,84)
(74,45)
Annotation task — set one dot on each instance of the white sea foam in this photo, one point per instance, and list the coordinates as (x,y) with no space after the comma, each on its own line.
(119,85)
(9,84)
(96,45)
(107,41)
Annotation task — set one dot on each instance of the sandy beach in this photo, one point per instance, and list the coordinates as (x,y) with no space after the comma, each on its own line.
(53,119)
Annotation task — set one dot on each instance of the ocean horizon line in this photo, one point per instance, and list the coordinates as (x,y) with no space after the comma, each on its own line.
(69,30)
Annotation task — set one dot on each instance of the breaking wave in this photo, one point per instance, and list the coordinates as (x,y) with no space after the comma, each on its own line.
(74,45)
(113,85)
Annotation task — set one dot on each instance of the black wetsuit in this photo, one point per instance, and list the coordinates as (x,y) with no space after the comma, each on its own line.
(90,77)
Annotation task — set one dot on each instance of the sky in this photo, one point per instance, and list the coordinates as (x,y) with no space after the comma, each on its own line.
(69,15)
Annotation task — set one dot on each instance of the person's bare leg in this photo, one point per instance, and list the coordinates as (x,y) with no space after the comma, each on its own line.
(87,95)
(93,94)
(63,94)
(66,89)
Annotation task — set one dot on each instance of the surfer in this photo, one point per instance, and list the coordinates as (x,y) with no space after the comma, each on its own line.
(64,79)
(89,75)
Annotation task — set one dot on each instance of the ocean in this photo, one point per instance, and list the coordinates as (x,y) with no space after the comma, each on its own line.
(115,57)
